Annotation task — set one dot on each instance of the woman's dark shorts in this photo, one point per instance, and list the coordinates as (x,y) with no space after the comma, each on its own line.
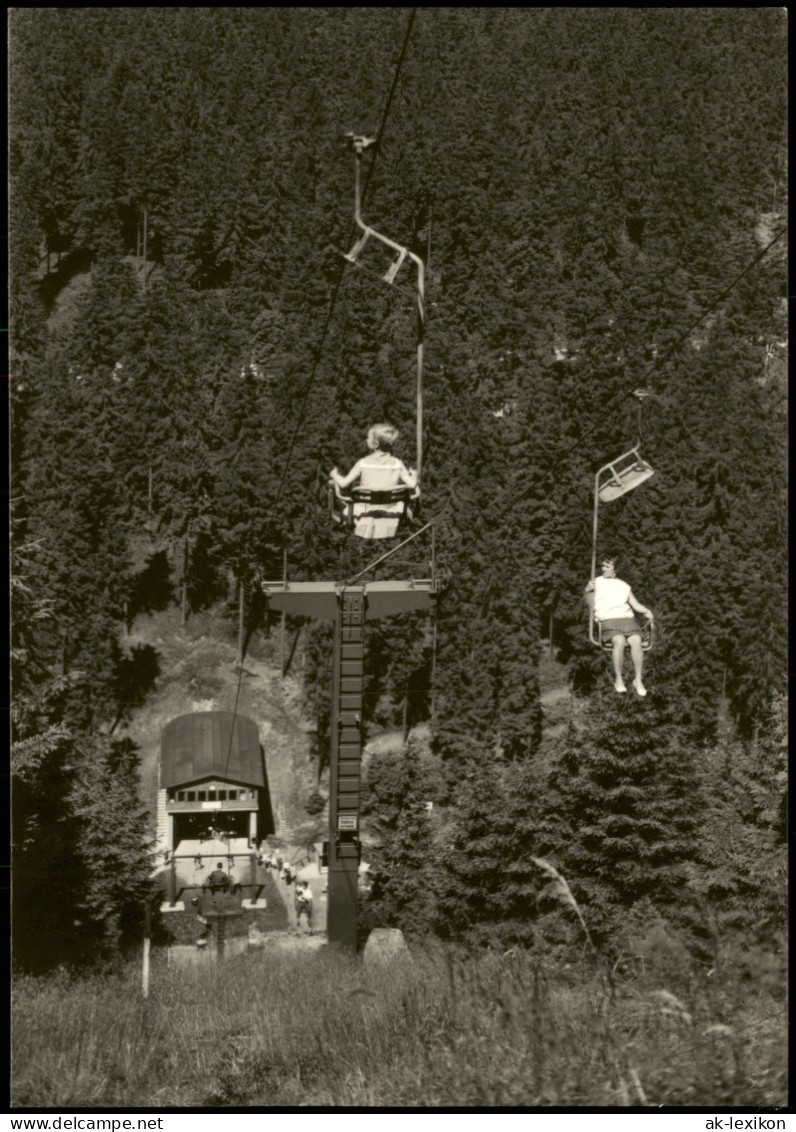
(613,626)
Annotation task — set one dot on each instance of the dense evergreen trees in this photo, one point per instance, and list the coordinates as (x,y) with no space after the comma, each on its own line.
(629,806)
(585,186)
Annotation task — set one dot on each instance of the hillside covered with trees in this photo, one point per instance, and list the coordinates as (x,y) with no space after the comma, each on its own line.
(599,197)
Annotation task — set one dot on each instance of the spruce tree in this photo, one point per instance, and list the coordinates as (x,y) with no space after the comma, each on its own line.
(405,862)
(741,879)
(627,795)
(114,843)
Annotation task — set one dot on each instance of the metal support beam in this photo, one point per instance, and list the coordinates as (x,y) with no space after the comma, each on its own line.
(345,768)
(350,606)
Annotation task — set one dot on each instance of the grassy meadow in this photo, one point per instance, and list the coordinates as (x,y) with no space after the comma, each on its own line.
(437,1029)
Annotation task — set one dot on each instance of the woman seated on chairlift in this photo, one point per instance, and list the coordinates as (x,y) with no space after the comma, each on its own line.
(378,471)
(611,602)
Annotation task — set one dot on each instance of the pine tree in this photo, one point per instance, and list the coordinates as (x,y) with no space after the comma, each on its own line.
(741,881)
(114,848)
(405,865)
(629,808)
(477,904)
(42,743)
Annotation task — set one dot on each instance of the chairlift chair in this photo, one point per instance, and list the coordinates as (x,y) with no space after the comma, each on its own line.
(612,481)
(393,506)
(628,470)
(622,475)
(377,505)
(361,142)
(599,638)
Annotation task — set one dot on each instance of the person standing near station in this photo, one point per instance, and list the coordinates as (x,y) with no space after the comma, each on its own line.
(218,881)
(304,903)
(612,603)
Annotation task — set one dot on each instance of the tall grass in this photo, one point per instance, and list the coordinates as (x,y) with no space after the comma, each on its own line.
(439,1029)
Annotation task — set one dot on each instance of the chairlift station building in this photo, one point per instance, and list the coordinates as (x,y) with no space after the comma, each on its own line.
(211,773)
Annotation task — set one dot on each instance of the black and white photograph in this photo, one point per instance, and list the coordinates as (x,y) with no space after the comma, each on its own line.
(398,560)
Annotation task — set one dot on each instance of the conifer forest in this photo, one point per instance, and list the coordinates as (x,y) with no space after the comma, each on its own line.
(599,199)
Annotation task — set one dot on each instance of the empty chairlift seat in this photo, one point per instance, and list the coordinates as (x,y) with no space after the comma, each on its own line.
(622,475)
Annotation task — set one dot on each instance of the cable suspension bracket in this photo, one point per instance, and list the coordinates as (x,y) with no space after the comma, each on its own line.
(360,143)
(640,395)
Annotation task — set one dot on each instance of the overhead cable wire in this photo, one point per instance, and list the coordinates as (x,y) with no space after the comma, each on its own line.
(388,104)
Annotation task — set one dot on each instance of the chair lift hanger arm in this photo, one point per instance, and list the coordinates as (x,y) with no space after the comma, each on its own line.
(361,142)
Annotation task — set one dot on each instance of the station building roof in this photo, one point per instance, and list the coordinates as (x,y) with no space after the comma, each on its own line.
(210,744)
